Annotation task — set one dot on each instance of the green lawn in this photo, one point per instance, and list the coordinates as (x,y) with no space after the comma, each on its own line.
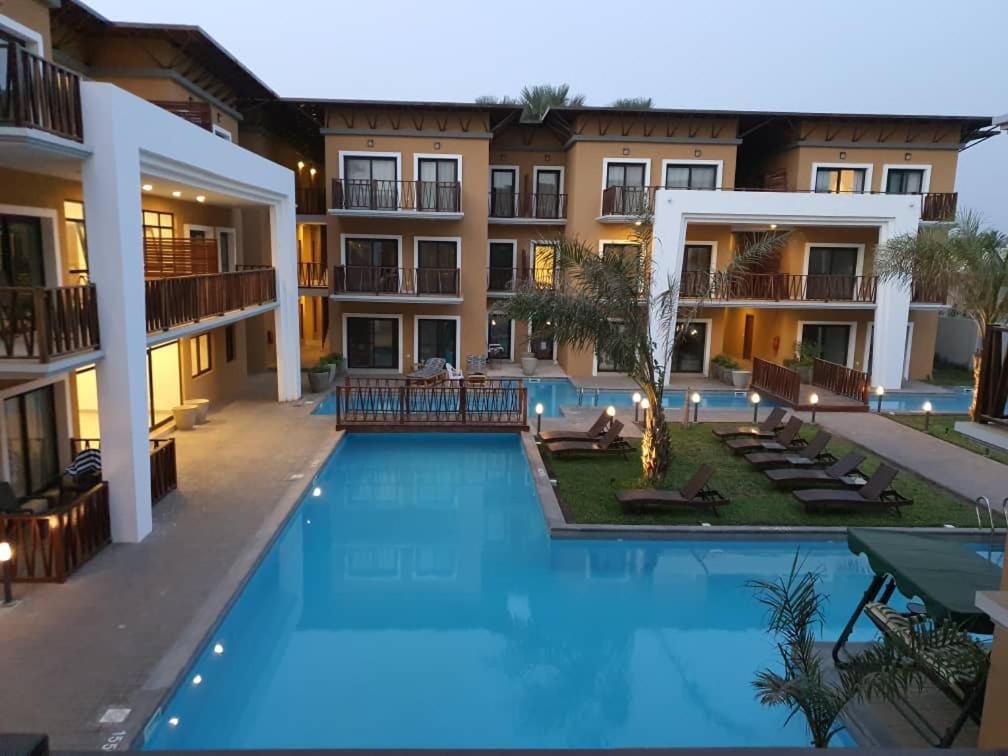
(943,427)
(586,487)
(950,375)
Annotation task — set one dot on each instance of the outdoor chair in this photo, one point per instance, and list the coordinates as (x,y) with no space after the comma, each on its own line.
(813,454)
(697,493)
(841,473)
(11,505)
(430,372)
(787,439)
(609,443)
(770,425)
(565,434)
(874,495)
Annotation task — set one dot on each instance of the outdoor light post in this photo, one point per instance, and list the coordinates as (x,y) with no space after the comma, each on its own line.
(645,405)
(879,392)
(539,410)
(755,399)
(927,414)
(695,398)
(5,559)
(813,400)
(636,405)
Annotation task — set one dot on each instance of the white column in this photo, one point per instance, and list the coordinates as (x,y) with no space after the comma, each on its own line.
(892,313)
(669,234)
(283,254)
(111,181)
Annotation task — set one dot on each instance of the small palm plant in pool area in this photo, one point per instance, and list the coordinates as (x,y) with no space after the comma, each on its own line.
(602,302)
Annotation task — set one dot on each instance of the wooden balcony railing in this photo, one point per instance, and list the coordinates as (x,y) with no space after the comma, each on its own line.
(939,206)
(930,292)
(313,275)
(841,379)
(512,279)
(776,381)
(38,94)
(188,299)
(628,200)
(364,279)
(425,196)
(543,206)
(310,200)
(190,110)
(167,257)
(164,473)
(50,546)
(46,324)
(452,404)
(778,287)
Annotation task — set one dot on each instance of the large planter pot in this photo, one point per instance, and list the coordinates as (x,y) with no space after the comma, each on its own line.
(318,382)
(741,378)
(726,376)
(185,416)
(337,369)
(529,364)
(804,373)
(202,409)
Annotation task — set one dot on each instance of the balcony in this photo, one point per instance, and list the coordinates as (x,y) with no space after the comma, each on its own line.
(38,94)
(197,113)
(364,282)
(939,207)
(778,287)
(184,300)
(930,294)
(620,203)
(45,325)
(431,200)
(313,275)
(178,256)
(310,200)
(528,208)
(505,281)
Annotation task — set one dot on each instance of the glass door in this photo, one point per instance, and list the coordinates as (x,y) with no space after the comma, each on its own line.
(626,180)
(370,183)
(437,267)
(437,185)
(541,346)
(373,343)
(832,273)
(499,339)
(696,269)
(372,265)
(32,441)
(164,382)
(691,348)
(502,275)
(21,261)
(503,193)
(436,337)
(544,272)
(831,341)
(547,197)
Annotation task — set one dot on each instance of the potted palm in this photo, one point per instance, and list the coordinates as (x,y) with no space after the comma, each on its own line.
(529,362)
(337,367)
(319,377)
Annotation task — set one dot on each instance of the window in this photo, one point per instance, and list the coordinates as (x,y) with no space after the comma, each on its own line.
(21,261)
(164,382)
(606,364)
(831,273)
(503,192)
(904,181)
(436,337)
(696,269)
(76,237)
(370,182)
(502,275)
(626,175)
(437,184)
(544,272)
(499,338)
(437,266)
(222,133)
(628,251)
(31,436)
(200,355)
(625,193)
(688,176)
(229,343)
(840,180)
(371,265)
(157,225)
(831,341)
(548,200)
(373,343)
(690,348)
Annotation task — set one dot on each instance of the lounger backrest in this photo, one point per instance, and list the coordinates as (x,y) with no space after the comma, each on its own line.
(696,484)
(611,435)
(434,363)
(790,431)
(599,425)
(8,501)
(878,482)
(772,420)
(817,445)
(845,465)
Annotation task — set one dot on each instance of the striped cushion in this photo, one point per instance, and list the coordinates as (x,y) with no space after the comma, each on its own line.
(88,461)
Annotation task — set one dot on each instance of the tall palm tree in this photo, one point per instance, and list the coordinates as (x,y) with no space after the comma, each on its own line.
(539,98)
(968,261)
(633,103)
(495,100)
(602,302)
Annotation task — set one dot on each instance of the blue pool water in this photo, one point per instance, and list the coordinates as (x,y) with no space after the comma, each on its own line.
(556,393)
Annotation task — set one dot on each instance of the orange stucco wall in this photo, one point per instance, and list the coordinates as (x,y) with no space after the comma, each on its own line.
(31,13)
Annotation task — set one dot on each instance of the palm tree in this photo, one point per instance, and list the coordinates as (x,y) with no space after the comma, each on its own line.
(968,261)
(539,98)
(602,302)
(495,100)
(633,103)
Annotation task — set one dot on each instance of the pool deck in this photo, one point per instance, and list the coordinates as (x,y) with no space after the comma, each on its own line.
(121,629)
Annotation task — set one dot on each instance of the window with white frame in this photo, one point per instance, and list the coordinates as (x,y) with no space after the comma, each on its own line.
(200,355)
(370,183)
(905,181)
(437,184)
(839,180)
(690,176)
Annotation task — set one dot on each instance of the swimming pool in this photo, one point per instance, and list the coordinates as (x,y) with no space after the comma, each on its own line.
(414,598)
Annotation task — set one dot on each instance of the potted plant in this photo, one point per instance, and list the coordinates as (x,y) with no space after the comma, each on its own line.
(319,377)
(740,378)
(804,356)
(723,367)
(529,362)
(337,367)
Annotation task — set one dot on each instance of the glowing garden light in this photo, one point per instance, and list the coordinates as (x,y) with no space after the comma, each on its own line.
(755,399)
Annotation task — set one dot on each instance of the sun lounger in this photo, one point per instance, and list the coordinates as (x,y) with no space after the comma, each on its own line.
(696,493)
(11,505)
(592,434)
(609,443)
(430,372)
(787,439)
(875,494)
(766,429)
(842,473)
(809,456)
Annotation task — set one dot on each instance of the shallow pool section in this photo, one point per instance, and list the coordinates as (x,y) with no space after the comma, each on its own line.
(414,599)
(954,400)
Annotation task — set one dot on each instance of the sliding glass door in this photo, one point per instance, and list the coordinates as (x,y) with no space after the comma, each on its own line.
(32,441)
(21,262)
(436,337)
(372,343)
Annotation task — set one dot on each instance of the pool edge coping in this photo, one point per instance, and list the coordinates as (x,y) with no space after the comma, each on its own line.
(165,677)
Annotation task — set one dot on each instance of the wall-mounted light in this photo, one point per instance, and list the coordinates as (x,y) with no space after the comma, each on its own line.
(697,153)
(547,157)
(200,198)
(843,155)
(312,172)
(626,150)
(907,155)
(437,145)
(300,165)
(370,142)
(147,187)
(176,193)
(773,226)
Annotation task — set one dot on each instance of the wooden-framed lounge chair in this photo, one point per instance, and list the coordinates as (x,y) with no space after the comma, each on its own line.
(875,494)
(11,505)
(609,443)
(814,453)
(770,425)
(842,473)
(430,372)
(592,434)
(696,493)
(787,439)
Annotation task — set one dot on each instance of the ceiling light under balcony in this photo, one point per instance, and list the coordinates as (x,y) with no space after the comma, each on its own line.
(773,226)
(147,187)
(176,193)
(200,198)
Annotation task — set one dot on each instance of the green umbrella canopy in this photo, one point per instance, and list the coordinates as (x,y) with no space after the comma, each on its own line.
(944,573)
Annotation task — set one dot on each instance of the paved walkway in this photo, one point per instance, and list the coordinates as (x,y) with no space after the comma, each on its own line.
(963,472)
(117,633)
